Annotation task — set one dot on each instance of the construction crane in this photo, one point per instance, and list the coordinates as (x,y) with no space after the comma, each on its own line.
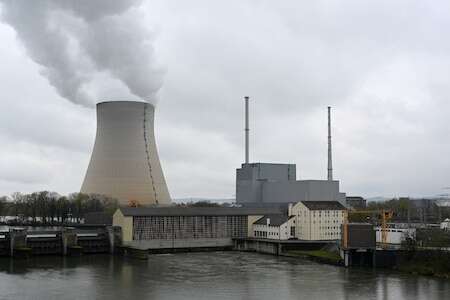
(386,215)
(133,203)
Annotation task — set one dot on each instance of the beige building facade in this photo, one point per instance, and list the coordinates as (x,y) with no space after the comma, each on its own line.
(162,227)
(125,163)
(317,220)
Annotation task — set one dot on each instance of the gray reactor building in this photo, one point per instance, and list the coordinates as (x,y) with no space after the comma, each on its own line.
(277,183)
(263,184)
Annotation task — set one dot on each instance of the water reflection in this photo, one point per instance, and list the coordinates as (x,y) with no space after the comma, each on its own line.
(219,275)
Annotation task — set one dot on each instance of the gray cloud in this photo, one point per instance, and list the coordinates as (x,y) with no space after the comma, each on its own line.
(382,65)
(80,43)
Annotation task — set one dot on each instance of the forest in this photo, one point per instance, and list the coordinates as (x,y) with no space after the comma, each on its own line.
(50,208)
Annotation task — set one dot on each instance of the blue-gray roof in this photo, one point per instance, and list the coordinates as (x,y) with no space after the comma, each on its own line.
(323,205)
(275,220)
(196,211)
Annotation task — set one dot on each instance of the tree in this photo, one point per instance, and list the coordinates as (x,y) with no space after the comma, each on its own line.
(3,207)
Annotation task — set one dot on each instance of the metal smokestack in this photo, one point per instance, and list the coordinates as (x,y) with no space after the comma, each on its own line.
(330,160)
(247,131)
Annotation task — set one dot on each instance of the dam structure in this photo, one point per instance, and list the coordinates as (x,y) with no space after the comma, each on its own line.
(125,163)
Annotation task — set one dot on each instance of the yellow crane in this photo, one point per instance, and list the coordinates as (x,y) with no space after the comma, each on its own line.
(133,203)
(386,215)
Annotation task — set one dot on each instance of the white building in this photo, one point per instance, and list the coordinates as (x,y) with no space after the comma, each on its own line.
(317,220)
(277,227)
(396,236)
(446,224)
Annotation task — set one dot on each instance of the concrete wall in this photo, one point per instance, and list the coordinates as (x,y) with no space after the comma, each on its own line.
(263,171)
(180,243)
(250,179)
(260,246)
(249,191)
(304,190)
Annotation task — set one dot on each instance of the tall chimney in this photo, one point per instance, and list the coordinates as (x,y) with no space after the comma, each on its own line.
(330,160)
(247,131)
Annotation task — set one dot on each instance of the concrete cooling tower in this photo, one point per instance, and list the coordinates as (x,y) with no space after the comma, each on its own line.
(125,163)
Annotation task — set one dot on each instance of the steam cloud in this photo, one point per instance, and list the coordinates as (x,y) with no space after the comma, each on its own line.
(88,48)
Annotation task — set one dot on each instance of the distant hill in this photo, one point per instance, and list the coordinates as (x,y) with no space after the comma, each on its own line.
(378,199)
(197,199)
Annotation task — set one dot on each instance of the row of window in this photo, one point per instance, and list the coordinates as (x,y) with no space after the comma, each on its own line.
(329,227)
(179,227)
(320,213)
(262,234)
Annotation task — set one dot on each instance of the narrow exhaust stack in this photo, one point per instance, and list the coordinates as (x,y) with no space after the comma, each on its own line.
(330,160)
(247,131)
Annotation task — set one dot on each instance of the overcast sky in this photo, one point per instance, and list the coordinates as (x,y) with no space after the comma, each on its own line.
(384,67)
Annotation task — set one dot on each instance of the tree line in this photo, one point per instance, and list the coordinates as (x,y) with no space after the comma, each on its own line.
(414,210)
(46,207)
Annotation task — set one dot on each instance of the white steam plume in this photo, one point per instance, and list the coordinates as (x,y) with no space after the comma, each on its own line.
(88,48)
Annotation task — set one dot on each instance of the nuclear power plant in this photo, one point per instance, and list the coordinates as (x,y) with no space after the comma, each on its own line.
(124,162)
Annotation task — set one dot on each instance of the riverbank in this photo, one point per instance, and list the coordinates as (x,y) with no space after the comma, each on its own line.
(425,262)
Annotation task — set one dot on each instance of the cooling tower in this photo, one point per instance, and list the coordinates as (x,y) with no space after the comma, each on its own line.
(125,163)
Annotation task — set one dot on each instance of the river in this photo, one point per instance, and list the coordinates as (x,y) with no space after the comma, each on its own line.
(212,275)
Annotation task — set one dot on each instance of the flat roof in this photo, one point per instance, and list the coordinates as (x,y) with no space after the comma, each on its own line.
(172,211)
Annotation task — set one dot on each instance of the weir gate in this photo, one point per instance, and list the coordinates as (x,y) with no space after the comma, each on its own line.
(19,242)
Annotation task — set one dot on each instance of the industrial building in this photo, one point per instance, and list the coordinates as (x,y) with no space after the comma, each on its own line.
(276,183)
(318,220)
(185,227)
(395,236)
(355,202)
(445,225)
(124,162)
(358,244)
(266,183)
